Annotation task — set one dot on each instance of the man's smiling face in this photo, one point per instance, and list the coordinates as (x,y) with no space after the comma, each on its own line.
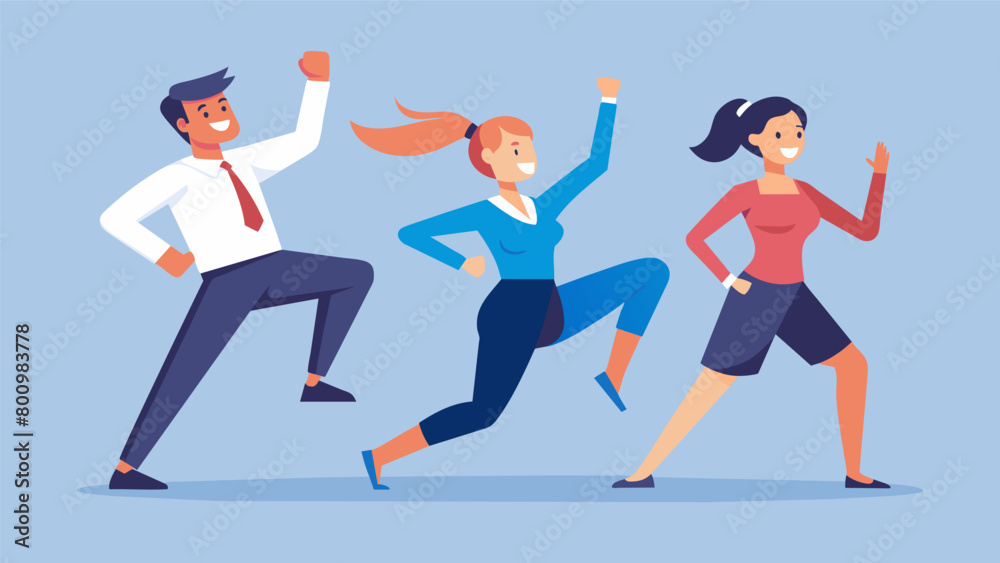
(210,120)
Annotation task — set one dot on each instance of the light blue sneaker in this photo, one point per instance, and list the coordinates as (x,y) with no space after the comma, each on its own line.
(370,467)
(605,382)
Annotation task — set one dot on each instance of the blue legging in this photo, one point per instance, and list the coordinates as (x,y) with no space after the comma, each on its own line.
(519,316)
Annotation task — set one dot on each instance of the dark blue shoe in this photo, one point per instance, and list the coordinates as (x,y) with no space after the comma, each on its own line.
(605,382)
(646,483)
(875,484)
(325,393)
(134,480)
(370,467)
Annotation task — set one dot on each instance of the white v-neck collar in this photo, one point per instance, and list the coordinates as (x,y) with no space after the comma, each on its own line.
(506,207)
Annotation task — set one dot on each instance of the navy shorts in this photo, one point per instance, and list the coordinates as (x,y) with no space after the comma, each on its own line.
(748,324)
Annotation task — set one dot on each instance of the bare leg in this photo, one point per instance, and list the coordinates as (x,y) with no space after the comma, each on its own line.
(709,386)
(401,446)
(621,354)
(852,387)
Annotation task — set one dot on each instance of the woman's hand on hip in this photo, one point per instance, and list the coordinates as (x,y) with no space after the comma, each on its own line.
(475,265)
(742,286)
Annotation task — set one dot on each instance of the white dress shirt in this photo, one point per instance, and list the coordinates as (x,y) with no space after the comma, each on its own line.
(204,202)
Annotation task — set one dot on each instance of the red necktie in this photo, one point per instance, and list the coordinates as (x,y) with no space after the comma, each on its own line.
(251,215)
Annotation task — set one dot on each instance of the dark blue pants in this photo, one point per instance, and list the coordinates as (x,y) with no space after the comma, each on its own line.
(226,296)
(519,316)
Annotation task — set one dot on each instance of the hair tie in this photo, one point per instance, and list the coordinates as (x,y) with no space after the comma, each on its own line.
(472,129)
(743,108)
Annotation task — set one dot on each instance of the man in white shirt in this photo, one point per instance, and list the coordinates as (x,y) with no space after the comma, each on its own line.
(216,198)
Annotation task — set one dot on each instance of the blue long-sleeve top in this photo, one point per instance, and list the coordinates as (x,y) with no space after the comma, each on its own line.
(521,250)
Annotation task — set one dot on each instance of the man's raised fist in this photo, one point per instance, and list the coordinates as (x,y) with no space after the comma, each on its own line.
(315,65)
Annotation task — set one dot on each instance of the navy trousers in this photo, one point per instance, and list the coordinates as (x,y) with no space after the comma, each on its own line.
(226,296)
(520,316)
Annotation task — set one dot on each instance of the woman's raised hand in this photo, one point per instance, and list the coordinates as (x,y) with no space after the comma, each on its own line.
(881,163)
(475,265)
(609,86)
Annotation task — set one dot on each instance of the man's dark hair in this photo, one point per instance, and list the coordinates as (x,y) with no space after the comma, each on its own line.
(197,89)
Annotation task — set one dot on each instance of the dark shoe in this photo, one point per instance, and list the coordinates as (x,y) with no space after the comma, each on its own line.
(605,382)
(324,393)
(646,483)
(370,467)
(875,484)
(134,480)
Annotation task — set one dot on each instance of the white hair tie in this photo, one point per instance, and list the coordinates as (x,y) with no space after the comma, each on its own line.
(743,108)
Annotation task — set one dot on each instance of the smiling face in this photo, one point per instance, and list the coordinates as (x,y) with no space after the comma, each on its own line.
(514,160)
(782,139)
(209,121)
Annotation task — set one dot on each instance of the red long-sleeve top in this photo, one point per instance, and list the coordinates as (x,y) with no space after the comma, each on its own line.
(780,224)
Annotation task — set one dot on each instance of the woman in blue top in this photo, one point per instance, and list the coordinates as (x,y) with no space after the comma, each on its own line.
(526,310)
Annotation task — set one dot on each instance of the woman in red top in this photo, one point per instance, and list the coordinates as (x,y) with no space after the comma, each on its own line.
(770,297)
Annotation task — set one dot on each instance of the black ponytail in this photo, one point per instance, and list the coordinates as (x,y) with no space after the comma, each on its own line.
(731,131)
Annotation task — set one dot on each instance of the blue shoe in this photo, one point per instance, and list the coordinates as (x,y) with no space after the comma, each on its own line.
(646,483)
(875,484)
(605,384)
(135,481)
(325,393)
(370,466)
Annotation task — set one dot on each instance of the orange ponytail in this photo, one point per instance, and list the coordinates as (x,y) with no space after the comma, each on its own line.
(438,130)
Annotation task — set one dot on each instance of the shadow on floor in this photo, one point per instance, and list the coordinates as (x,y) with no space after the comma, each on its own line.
(576,488)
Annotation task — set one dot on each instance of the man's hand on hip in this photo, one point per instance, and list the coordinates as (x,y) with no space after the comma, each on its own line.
(174,262)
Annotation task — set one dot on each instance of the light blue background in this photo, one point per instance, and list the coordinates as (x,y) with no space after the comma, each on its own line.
(939,70)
